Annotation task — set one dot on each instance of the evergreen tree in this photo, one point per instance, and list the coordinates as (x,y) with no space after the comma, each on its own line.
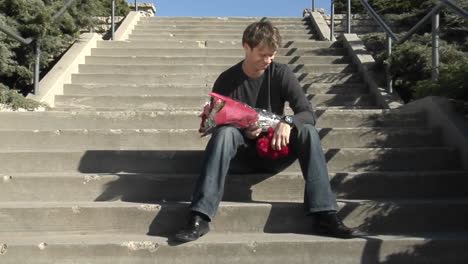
(33,18)
(381,6)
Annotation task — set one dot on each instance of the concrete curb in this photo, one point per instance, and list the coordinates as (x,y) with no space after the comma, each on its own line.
(127,25)
(441,114)
(319,24)
(365,62)
(52,83)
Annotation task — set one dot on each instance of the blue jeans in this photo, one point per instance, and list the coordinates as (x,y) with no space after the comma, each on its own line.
(223,148)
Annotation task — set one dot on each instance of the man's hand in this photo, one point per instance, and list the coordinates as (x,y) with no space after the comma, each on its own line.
(252,132)
(281,136)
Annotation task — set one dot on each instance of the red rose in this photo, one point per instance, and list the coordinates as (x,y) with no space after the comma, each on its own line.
(264,146)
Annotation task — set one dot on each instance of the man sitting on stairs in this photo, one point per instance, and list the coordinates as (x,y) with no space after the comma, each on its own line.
(262,83)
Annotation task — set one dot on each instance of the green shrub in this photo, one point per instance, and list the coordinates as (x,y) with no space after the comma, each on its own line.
(411,66)
(452,82)
(411,62)
(381,6)
(15,101)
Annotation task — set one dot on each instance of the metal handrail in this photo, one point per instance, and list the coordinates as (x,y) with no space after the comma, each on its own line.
(379,20)
(7,30)
(13,34)
(422,22)
(113,20)
(434,14)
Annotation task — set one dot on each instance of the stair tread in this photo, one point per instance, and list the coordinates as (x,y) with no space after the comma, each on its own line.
(156,130)
(190,151)
(156,206)
(183,175)
(220,57)
(51,238)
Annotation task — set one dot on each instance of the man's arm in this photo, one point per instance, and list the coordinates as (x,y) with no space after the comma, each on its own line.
(303,114)
(293,93)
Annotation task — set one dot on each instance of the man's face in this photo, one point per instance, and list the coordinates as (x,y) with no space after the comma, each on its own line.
(260,57)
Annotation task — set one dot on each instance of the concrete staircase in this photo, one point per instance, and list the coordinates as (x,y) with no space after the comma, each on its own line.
(107,175)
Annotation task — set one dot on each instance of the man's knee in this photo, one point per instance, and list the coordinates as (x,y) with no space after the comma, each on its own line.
(308,129)
(227,134)
(309,132)
(226,131)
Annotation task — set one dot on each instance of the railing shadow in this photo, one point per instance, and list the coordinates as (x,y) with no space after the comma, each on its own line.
(394,174)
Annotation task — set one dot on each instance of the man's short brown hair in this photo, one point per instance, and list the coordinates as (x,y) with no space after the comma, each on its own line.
(262,32)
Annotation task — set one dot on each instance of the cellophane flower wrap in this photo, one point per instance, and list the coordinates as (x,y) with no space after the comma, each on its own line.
(223,110)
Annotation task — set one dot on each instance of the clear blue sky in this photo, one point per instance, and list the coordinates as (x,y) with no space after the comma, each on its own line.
(239,8)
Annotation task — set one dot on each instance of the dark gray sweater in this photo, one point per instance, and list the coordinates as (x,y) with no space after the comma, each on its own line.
(270,91)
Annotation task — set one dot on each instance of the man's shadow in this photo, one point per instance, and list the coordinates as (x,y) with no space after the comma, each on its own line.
(139,177)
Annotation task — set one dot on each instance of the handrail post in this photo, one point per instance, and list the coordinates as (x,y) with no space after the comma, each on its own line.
(113,20)
(37,65)
(388,74)
(435,46)
(136,6)
(348,17)
(332,26)
(313,5)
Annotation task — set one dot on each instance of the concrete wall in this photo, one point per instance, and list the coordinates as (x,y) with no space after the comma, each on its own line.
(52,83)
(320,25)
(60,74)
(366,63)
(128,25)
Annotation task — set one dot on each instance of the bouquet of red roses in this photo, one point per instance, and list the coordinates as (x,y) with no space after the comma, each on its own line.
(223,110)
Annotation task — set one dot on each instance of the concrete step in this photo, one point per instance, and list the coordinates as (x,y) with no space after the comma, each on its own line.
(223,60)
(354,20)
(124,90)
(222,19)
(213,30)
(238,22)
(239,26)
(211,36)
(364,23)
(285,186)
(386,216)
(147,50)
(209,26)
(204,44)
(199,79)
(163,102)
(358,30)
(189,139)
(249,248)
(353,16)
(51,120)
(367,25)
(201,69)
(215,22)
(169,161)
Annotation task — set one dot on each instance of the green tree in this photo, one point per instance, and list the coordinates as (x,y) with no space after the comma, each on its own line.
(33,18)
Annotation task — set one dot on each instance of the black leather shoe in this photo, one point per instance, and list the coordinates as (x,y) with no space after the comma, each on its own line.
(330,224)
(195,228)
